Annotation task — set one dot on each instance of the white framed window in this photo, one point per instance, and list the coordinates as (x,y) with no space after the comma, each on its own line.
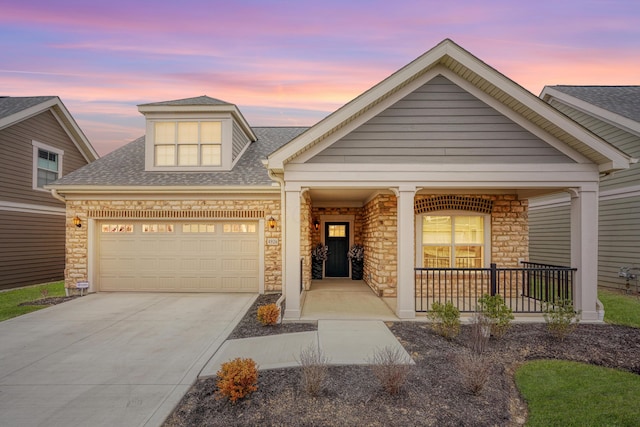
(453,240)
(47,164)
(187,143)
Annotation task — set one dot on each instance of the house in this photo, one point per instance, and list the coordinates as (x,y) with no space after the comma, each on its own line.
(39,143)
(433,166)
(613,114)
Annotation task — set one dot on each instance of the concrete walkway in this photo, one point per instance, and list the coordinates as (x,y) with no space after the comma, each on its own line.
(344,342)
(110,359)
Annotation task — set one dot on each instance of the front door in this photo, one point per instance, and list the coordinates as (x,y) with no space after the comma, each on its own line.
(337,240)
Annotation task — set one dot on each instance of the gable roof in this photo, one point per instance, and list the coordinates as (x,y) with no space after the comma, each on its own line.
(468,70)
(618,105)
(123,169)
(15,109)
(198,100)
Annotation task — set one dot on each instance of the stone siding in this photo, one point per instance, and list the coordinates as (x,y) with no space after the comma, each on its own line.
(379,236)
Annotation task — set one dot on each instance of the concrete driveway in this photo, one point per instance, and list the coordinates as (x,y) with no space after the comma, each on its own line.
(110,359)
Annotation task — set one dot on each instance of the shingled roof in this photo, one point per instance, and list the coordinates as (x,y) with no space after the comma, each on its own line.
(621,100)
(10,105)
(198,100)
(125,166)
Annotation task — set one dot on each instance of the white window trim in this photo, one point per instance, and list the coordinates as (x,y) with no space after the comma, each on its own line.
(487,233)
(41,146)
(225,145)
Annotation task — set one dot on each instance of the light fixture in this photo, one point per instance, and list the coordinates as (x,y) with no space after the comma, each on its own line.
(77,221)
(316,224)
(272,223)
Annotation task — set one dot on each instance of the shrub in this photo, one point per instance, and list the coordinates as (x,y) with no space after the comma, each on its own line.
(480,333)
(500,316)
(314,369)
(391,367)
(445,319)
(475,370)
(561,318)
(268,314)
(236,379)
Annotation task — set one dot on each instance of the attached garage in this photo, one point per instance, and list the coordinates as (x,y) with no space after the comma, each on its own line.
(178,256)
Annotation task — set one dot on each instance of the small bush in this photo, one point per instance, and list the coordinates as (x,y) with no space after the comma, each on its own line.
(236,379)
(480,333)
(475,370)
(445,319)
(314,369)
(268,314)
(391,367)
(500,316)
(561,318)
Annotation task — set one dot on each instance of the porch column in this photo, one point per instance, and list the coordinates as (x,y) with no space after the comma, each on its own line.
(405,305)
(291,253)
(584,250)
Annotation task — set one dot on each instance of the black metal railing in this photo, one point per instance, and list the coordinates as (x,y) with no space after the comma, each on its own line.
(525,290)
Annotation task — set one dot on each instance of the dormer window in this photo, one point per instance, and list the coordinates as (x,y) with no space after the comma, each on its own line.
(189,143)
(194,135)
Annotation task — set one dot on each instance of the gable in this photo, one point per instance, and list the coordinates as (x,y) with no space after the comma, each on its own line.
(440,123)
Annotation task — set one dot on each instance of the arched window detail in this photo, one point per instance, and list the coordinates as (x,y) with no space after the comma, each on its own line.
(452,202)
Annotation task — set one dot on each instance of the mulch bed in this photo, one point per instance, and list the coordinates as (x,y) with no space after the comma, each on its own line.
(434,394)
(50,300)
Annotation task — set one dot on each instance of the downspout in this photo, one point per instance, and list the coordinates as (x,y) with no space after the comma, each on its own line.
(280,181)
(55,195)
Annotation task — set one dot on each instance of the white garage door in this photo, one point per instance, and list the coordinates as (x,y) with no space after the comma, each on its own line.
(178,256)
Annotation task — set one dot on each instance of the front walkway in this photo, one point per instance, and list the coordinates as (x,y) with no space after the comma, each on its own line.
(344,342)
(345,299)
(118,359)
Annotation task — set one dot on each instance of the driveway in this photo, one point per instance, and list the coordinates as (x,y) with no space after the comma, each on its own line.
(110,359)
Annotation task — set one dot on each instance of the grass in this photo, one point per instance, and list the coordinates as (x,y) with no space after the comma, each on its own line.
(557,393)
(620,308)
(10,300)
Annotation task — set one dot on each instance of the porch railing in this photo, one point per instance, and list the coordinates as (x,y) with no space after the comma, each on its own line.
(525,290)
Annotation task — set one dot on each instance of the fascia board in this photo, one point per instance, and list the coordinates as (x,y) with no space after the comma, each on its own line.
(97,189)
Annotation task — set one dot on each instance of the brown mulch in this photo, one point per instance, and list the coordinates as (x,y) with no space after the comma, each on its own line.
(434,394)
(50,300)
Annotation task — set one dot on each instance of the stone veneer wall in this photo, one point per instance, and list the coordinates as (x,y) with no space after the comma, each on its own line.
(379,236)
(306,239)
(77,238)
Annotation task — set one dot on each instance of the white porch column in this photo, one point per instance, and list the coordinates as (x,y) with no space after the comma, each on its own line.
(291,255)
(584,250)
(405,305)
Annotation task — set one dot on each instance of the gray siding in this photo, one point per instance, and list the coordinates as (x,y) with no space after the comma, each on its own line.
(550,235)
(240,140)
(16,158)
(31,248)
(621,139)
(619,238)
(440,122)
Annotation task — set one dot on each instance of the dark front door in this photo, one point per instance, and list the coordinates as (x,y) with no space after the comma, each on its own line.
(337,239)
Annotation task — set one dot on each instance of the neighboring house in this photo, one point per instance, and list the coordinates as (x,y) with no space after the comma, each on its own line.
(434,166)
(39,143)
(613,114)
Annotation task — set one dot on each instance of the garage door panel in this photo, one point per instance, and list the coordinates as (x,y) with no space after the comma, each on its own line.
(180,257)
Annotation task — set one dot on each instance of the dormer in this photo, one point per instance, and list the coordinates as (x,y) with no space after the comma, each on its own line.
(194,134)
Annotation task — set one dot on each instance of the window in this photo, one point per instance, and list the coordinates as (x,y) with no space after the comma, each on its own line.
(239,227)
(117,228)
(47,164)
(337,231)
(188,143)
(198,228)
(157,228)
(457,241)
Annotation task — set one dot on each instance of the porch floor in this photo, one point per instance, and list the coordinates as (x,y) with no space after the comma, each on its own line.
(340,299)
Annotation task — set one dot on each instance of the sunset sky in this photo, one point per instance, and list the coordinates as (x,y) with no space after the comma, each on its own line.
(290,62)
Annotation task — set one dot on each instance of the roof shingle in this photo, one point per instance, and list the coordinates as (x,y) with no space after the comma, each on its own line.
(621,100)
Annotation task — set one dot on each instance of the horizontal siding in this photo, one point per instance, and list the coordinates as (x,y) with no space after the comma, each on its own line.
(240,140)
(32,248)
(550,235)
(620,138)
(16,158)
(619,235)
(440,122)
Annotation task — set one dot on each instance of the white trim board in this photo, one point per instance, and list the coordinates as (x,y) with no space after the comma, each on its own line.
(29,208)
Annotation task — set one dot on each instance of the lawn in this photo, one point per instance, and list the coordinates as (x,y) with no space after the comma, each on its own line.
(557,393)
(620,308)
(10,300)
